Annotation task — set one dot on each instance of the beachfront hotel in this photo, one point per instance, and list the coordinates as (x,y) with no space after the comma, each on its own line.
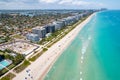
(58,25)
(69,20)
(50,28)
(40,31)
(43,31)
(32,37)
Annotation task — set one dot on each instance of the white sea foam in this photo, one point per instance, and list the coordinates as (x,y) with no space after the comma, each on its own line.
(81,79)
(83,50)
(89,38)
(80,72)
(85,45)
(81,61)
(82,57)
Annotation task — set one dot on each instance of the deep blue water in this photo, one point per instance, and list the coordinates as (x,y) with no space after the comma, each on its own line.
(107,42)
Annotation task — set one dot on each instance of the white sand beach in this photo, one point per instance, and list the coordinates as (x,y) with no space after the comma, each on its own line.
(38,69)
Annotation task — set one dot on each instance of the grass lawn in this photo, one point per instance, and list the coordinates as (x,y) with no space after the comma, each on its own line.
(9,76)
(37,55)
(22,66)
(18,36)
(3,71)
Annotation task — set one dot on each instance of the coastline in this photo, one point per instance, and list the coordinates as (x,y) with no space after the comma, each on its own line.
(43,64)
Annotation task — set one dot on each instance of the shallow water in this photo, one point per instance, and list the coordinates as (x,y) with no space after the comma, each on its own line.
(94,53)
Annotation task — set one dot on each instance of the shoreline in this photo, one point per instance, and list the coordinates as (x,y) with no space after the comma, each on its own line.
(40,68)
(77,29)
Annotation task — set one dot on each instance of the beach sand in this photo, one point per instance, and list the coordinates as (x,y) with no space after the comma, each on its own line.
(39,68)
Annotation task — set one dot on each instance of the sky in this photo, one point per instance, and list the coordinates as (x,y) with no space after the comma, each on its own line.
(59,4)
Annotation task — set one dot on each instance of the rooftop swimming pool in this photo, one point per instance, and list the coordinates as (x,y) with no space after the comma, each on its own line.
(4,63)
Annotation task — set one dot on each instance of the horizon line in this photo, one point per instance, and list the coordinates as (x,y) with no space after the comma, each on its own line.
(51,9)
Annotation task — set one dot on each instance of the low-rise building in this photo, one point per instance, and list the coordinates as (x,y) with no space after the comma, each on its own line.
(48,34)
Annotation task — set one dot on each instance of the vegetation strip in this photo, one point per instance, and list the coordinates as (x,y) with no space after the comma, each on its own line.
(9,76)
(22,66)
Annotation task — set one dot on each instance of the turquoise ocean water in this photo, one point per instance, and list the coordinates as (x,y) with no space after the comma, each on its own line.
(95,52)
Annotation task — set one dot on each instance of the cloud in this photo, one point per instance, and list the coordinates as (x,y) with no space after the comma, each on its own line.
(65,1)
(18,4)
(77,2)
(48,1)
(50,4)
(73,3)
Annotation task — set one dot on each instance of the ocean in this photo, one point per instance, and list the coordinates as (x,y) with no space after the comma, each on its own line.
(94,54)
